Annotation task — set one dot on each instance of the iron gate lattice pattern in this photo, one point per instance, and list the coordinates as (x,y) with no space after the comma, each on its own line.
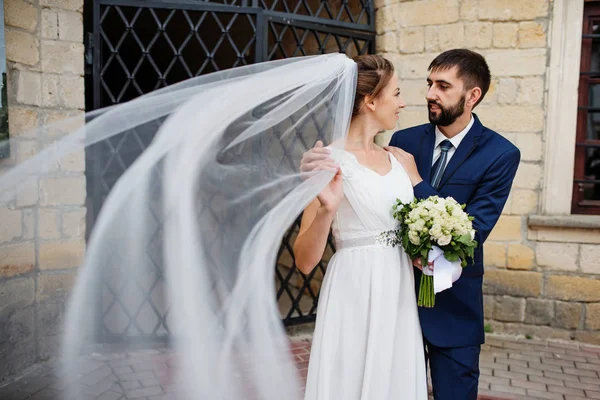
(134,47)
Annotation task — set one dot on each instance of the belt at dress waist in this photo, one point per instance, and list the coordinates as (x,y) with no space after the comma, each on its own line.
(383,239)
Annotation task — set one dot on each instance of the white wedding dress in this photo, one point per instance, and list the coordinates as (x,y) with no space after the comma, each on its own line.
(367,342)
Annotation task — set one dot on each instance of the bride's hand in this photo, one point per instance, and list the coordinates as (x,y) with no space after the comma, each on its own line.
(317,159)
(331,196)
(408,163)
(419,264)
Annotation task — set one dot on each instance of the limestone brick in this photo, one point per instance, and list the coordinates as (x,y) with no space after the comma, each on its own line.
(388,42)
(508,228)
(516,62)
(49,24)
(432,39)
(507,91)
(469,10)
(72,91)
(512,10)
(511,309)
(494,254)
(11,224)
(451,36)
(573,288)
(62,191)
(567,315)
(61,254)
(50,90)
(590,259)
(21,47)
(478,35)
(557,256)
(20,14)
(528,176)
(72,5)
(70,26)
(505,35)
(28,87)
(530,145)
(411,40)
(512,118)
(531,90)
(62,57)
(414,92)
(73,223)
(49,223)
(523,201)
(54,287)
(22,121)
(429,12)
(592,316)
(512,283)
(532,34)
(16,259)
(539,312)
(520,257)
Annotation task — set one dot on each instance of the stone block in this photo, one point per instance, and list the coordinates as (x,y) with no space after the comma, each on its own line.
(28,224)
(532,34)
(72,89)
(16,259)
(557,256)
(451,36)
(494,254)
(387,43)
(528,176)
(61,255)
(590,259)
(414,66)
(28,194)
(592,316)
(488,306)
(72,5)
(411,40)
(469,10)
(505,35)
(432,39)
(73,224)
(531,90)
(512,283)
(508,228)
(11,224)
(51,90)
(49,223)
(63,191)
(517,62)
(567,315)
(73,162)
(49,24)
(70,26)
(530,145)
(27,88)
(385,19)
(20,14)
(22,121)
(539,312)
(17,356)
(523,201)
(520,257)
(414,92)
(62,57)
(589,337)
(506,91)
(428,12)
(512,10)
(50,319)
(21,47)
(54,288)
(573,288)
(412,116)
(59,123)
(16,294)
(512,118)
(509,309)
(478,35)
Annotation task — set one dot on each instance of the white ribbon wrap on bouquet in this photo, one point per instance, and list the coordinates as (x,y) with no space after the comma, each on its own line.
(444,273)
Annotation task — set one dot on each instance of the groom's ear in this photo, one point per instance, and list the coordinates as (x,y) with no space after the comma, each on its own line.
(473,96)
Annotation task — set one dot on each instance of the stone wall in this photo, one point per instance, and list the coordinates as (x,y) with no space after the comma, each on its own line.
(544,285)
(42,230)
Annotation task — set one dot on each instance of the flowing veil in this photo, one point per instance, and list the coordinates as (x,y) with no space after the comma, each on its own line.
(205,206)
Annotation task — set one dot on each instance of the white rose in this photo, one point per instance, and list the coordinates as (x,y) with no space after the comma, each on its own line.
(414,238)
(472,234)
(444,240)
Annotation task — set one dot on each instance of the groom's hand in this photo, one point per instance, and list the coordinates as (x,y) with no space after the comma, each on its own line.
(408,163)
(318,159)
(419,264)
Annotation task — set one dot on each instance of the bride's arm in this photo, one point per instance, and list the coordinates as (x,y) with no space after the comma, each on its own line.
(312,238)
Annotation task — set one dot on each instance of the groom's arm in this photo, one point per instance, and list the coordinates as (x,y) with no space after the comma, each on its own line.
(489,197)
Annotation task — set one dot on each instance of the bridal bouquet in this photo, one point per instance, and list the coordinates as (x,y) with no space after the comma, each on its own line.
(436,230)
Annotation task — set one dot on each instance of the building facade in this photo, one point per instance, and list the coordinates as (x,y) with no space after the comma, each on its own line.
(542,260)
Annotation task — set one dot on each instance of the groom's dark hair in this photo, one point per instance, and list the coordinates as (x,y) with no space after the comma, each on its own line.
(471,68)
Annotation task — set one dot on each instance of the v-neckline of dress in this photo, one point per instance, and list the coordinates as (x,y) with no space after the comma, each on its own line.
(372,170)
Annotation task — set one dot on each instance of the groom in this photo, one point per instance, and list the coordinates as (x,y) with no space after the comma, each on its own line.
(455,155)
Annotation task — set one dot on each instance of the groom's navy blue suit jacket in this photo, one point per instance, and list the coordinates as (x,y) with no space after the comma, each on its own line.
(480,174)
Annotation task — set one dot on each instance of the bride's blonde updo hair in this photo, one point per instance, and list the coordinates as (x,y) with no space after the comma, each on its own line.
(374,72)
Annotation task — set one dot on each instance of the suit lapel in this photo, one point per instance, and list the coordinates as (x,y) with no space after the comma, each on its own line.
(464,150)
(425,157)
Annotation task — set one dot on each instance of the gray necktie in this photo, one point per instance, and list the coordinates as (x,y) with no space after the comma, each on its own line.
(440,164)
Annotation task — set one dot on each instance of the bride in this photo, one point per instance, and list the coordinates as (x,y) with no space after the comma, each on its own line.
(367,342)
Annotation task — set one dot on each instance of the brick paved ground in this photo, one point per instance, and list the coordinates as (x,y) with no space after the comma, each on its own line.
(510,369)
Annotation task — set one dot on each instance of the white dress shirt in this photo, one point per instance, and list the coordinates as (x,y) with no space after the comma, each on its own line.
(439,138)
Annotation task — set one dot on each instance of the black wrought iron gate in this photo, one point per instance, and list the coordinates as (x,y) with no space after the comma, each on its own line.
(136,46)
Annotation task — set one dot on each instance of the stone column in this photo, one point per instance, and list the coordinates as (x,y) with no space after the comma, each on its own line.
(42,230)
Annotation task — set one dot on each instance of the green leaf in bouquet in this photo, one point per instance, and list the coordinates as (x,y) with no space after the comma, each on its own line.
(424,253)
(451,255)
(465,239)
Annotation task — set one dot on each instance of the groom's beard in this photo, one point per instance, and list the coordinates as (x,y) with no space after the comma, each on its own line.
(447,116)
